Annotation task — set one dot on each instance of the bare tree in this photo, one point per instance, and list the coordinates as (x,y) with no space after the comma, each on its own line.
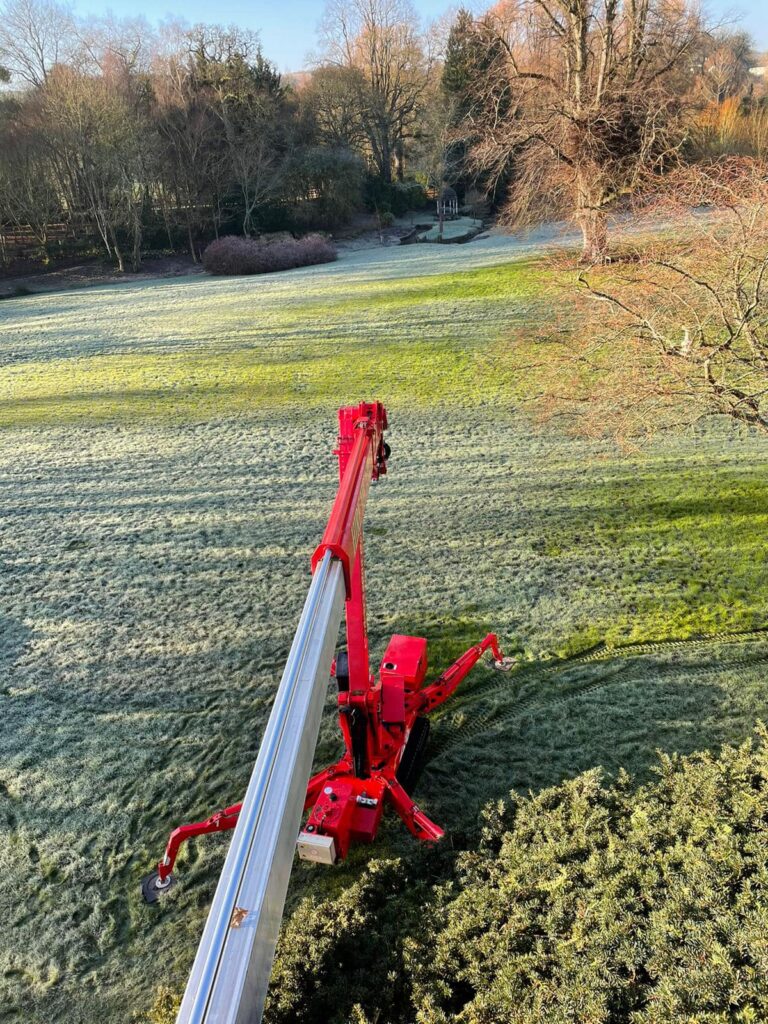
(116,46)
(29,195)
(192,166)
(97,134)
(35,36)
(380,39)
(725,65)
(679,329)
(583,99)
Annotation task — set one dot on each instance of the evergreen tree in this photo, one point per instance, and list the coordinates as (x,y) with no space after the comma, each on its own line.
(462,60)
(473,55)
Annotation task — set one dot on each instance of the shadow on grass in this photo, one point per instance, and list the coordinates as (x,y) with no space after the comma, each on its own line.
(617,713)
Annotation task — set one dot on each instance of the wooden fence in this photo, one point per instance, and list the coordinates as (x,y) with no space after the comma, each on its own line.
(21,242)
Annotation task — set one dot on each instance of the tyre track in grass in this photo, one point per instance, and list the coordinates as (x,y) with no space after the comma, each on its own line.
(532,670)
(469,730)
(604,653)
(462,732)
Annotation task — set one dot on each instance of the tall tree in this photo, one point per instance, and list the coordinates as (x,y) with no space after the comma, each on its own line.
(591,93)
(247,97)
(463,60)
(725,65)
(332,99)
(473,84)
(35,36)
(380,39)
(192,165)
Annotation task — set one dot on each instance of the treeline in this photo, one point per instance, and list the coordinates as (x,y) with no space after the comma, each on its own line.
(118,137)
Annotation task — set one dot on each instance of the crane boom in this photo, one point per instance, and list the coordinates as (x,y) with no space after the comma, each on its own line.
(230,974)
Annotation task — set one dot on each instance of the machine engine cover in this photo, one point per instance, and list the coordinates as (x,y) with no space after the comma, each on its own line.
(406,657)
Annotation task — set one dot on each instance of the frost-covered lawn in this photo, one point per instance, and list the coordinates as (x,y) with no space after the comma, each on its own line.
(400,322)
(165,470)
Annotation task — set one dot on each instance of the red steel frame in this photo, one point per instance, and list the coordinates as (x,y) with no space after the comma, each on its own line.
(376,716)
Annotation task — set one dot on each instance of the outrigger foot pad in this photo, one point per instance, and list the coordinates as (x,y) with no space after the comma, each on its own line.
(504,665)
(152,889)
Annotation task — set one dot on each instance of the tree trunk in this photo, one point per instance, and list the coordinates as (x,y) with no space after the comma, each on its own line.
(192,250)
(136,254)
(249,225)
(400,160)
(594,233)
(166,219)
(118,252)
(385,169)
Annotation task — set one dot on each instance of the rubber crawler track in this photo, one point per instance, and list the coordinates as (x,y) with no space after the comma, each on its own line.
(497,716)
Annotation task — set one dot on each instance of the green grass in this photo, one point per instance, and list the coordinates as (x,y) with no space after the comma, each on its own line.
(165,472)
(232,351)
(679,546)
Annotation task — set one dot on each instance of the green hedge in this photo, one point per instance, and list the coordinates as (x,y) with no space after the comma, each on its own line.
(584,903)
(594,903)
(397,197)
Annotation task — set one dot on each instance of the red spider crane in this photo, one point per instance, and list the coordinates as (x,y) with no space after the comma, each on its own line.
(382,719)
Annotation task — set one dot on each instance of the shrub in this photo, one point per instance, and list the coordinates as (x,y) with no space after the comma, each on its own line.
(586,902)
(733,126)
(594,903)
(18,292)
(237,256)
(164,1009)
(229,255)
(409,195)
(340,952)
(334,178)
(399,197)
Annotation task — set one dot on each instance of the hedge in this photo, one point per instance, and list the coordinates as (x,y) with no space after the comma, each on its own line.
(233,255)
(587,902)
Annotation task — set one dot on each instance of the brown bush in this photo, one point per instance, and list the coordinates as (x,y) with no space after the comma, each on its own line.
(238,256)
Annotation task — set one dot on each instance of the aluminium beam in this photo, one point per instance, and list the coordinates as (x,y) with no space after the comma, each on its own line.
(230,974)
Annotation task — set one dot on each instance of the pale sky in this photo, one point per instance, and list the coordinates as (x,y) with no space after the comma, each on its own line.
(288,28)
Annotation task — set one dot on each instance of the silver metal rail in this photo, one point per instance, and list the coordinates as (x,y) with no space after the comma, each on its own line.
(230,975)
